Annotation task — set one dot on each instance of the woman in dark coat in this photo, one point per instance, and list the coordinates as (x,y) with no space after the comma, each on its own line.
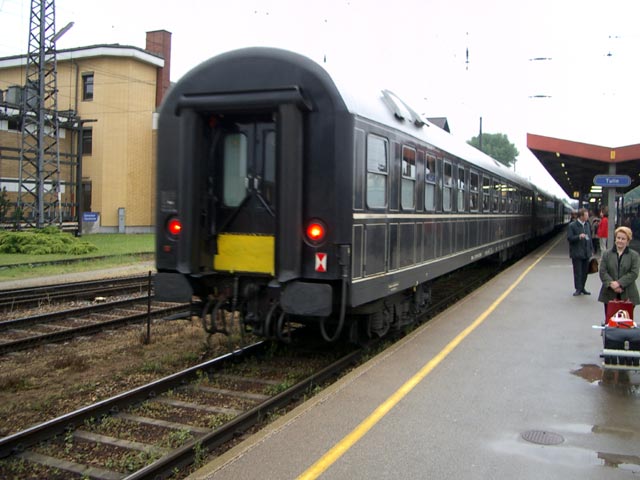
(619,269)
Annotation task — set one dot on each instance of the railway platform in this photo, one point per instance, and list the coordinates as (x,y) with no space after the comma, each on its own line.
(138,268)
(505,384)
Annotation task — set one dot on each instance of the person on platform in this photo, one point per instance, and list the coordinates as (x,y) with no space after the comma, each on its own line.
(580,250)
(594,220)
(574,216)
(619,267)
(603,229)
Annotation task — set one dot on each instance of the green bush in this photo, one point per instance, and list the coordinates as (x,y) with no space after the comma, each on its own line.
(44,241)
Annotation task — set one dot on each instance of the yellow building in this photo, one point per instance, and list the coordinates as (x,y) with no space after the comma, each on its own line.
(115,91)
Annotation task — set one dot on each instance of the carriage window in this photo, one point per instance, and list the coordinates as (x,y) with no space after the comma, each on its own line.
(461,188)
(377,169)
(504,192)
(430,183)
(235,169)
(486,193)
(495,196)
(447,187)
(473,191)
(408,178)
(269,170)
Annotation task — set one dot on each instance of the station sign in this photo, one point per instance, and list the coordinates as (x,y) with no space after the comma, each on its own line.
(90,216)
(612,180)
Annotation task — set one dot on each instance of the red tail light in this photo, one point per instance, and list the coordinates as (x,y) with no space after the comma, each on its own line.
(174,226)
(316,231)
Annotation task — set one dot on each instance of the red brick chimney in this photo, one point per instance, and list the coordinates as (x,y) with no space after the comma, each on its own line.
(159,42)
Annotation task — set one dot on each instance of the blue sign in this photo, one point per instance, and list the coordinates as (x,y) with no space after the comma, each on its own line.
(90,216)
(612,180)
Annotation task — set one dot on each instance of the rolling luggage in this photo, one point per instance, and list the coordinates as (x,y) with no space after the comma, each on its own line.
(622,338)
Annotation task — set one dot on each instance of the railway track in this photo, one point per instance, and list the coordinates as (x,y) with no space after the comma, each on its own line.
(28,332)
(20,298)
(160,428)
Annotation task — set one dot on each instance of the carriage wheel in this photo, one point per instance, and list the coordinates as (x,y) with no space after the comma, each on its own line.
(283,328)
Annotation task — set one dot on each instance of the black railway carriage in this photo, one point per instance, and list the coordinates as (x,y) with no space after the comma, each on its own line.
(286,198)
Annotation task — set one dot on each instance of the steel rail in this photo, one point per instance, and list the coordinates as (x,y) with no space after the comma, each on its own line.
(70,313)
(24,343)
(19,441)
(36,295)
(184,456)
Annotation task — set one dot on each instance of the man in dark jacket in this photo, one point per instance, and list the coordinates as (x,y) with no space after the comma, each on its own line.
(580,250)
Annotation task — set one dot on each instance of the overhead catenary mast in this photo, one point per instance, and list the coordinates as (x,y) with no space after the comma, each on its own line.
(39,186)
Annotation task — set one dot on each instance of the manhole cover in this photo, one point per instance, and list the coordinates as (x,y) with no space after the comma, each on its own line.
(542,438)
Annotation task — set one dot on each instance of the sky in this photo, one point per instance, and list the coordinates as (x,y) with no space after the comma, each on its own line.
(560,68)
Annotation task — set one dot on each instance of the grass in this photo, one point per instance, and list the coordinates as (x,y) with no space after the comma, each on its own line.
(119,249)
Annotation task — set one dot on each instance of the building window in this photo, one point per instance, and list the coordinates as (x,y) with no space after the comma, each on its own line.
(87,86)
(408,178)
(14,124)
(87,141)
(86,195)
(377,170)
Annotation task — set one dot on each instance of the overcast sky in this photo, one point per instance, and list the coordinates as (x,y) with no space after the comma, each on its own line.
(585,90)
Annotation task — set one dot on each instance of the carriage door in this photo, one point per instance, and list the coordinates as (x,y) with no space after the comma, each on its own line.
(245,164)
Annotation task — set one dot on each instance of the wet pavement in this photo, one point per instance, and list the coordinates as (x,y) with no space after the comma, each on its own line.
(513,389)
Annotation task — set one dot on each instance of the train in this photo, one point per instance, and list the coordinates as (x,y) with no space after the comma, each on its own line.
(287,197)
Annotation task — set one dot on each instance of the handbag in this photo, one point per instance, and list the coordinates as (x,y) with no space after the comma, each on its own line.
(593,265)
(621,319)
(614,306)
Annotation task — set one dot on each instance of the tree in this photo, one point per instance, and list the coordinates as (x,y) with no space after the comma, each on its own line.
(498,147)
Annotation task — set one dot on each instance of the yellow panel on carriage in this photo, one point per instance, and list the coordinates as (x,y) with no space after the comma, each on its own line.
(245,253)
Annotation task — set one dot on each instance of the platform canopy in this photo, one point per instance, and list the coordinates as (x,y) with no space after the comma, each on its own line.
(574,165)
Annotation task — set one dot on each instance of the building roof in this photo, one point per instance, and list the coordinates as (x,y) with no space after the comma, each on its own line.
(441,122)
(104,50)
(574,164)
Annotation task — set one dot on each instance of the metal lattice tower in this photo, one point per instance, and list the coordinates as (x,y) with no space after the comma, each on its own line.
(39,183)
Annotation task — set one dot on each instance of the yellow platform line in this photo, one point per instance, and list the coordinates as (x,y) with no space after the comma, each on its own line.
(367,424)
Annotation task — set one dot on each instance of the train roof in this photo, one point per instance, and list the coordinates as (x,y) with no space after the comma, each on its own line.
(356,95)
(384,107)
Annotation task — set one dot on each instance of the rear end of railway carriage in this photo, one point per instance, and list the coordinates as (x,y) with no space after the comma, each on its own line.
(283,200)
(252,150)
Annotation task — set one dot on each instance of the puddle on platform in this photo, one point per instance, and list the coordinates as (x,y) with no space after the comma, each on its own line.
(591,373)
(614,431)
(623,462)
(626,383)
(586,429)
(569,456)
